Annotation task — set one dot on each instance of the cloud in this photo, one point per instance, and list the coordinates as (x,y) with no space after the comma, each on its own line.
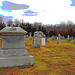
(30,13)
(6,5)
(73,3)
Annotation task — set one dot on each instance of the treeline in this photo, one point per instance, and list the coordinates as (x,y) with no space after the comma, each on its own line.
(63,28)
(50,30)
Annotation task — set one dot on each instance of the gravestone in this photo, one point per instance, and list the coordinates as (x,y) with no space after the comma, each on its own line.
(71,37)
(57,38)
(43,40)
(68,38)
(59,42)
(74,40)
(30,36)
(53,37)
(63,37)
(40,33)
(46,39)
(36,42)
(26,36)
(13,52)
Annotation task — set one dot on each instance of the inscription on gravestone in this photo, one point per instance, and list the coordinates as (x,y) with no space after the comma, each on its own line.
(36,40)
(13,41)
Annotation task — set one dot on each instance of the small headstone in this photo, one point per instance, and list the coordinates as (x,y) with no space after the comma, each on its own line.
(30,36)
(36,42)
(71,37)
(59,42)
(46,39)
(63,37)
(26,36)
(43,41)
(53,37)
(68,38)
(57,38)
(74,40)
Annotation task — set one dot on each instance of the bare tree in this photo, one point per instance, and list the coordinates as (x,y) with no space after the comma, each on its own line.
(10,22)
(63,23)
(70,23)
(1,19)
(17,22)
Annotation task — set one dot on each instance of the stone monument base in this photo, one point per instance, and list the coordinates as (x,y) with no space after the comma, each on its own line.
(16,61)
(35,46)
(15,57)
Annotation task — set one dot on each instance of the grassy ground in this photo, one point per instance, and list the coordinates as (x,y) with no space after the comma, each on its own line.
(51,59)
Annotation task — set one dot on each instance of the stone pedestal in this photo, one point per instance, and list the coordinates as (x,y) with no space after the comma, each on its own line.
(13,52)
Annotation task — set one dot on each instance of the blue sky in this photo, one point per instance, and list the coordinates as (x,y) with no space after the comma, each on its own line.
(45,11)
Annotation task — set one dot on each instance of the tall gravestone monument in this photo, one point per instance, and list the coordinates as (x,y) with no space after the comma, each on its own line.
(13,52)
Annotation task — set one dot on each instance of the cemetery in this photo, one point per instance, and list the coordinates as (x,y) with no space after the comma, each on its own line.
(54,57)
(36,50)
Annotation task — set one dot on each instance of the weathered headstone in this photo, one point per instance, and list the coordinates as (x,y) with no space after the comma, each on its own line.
(26,36)
(43,40)
(68,38)
(53,37)
(36,42)
(13,52)
(57,38)
(40,33)
(63,37)
(71,37)
(74,40)
(59,42)
(46,39)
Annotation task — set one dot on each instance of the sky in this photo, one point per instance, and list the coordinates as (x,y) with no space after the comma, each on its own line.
(45,11)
